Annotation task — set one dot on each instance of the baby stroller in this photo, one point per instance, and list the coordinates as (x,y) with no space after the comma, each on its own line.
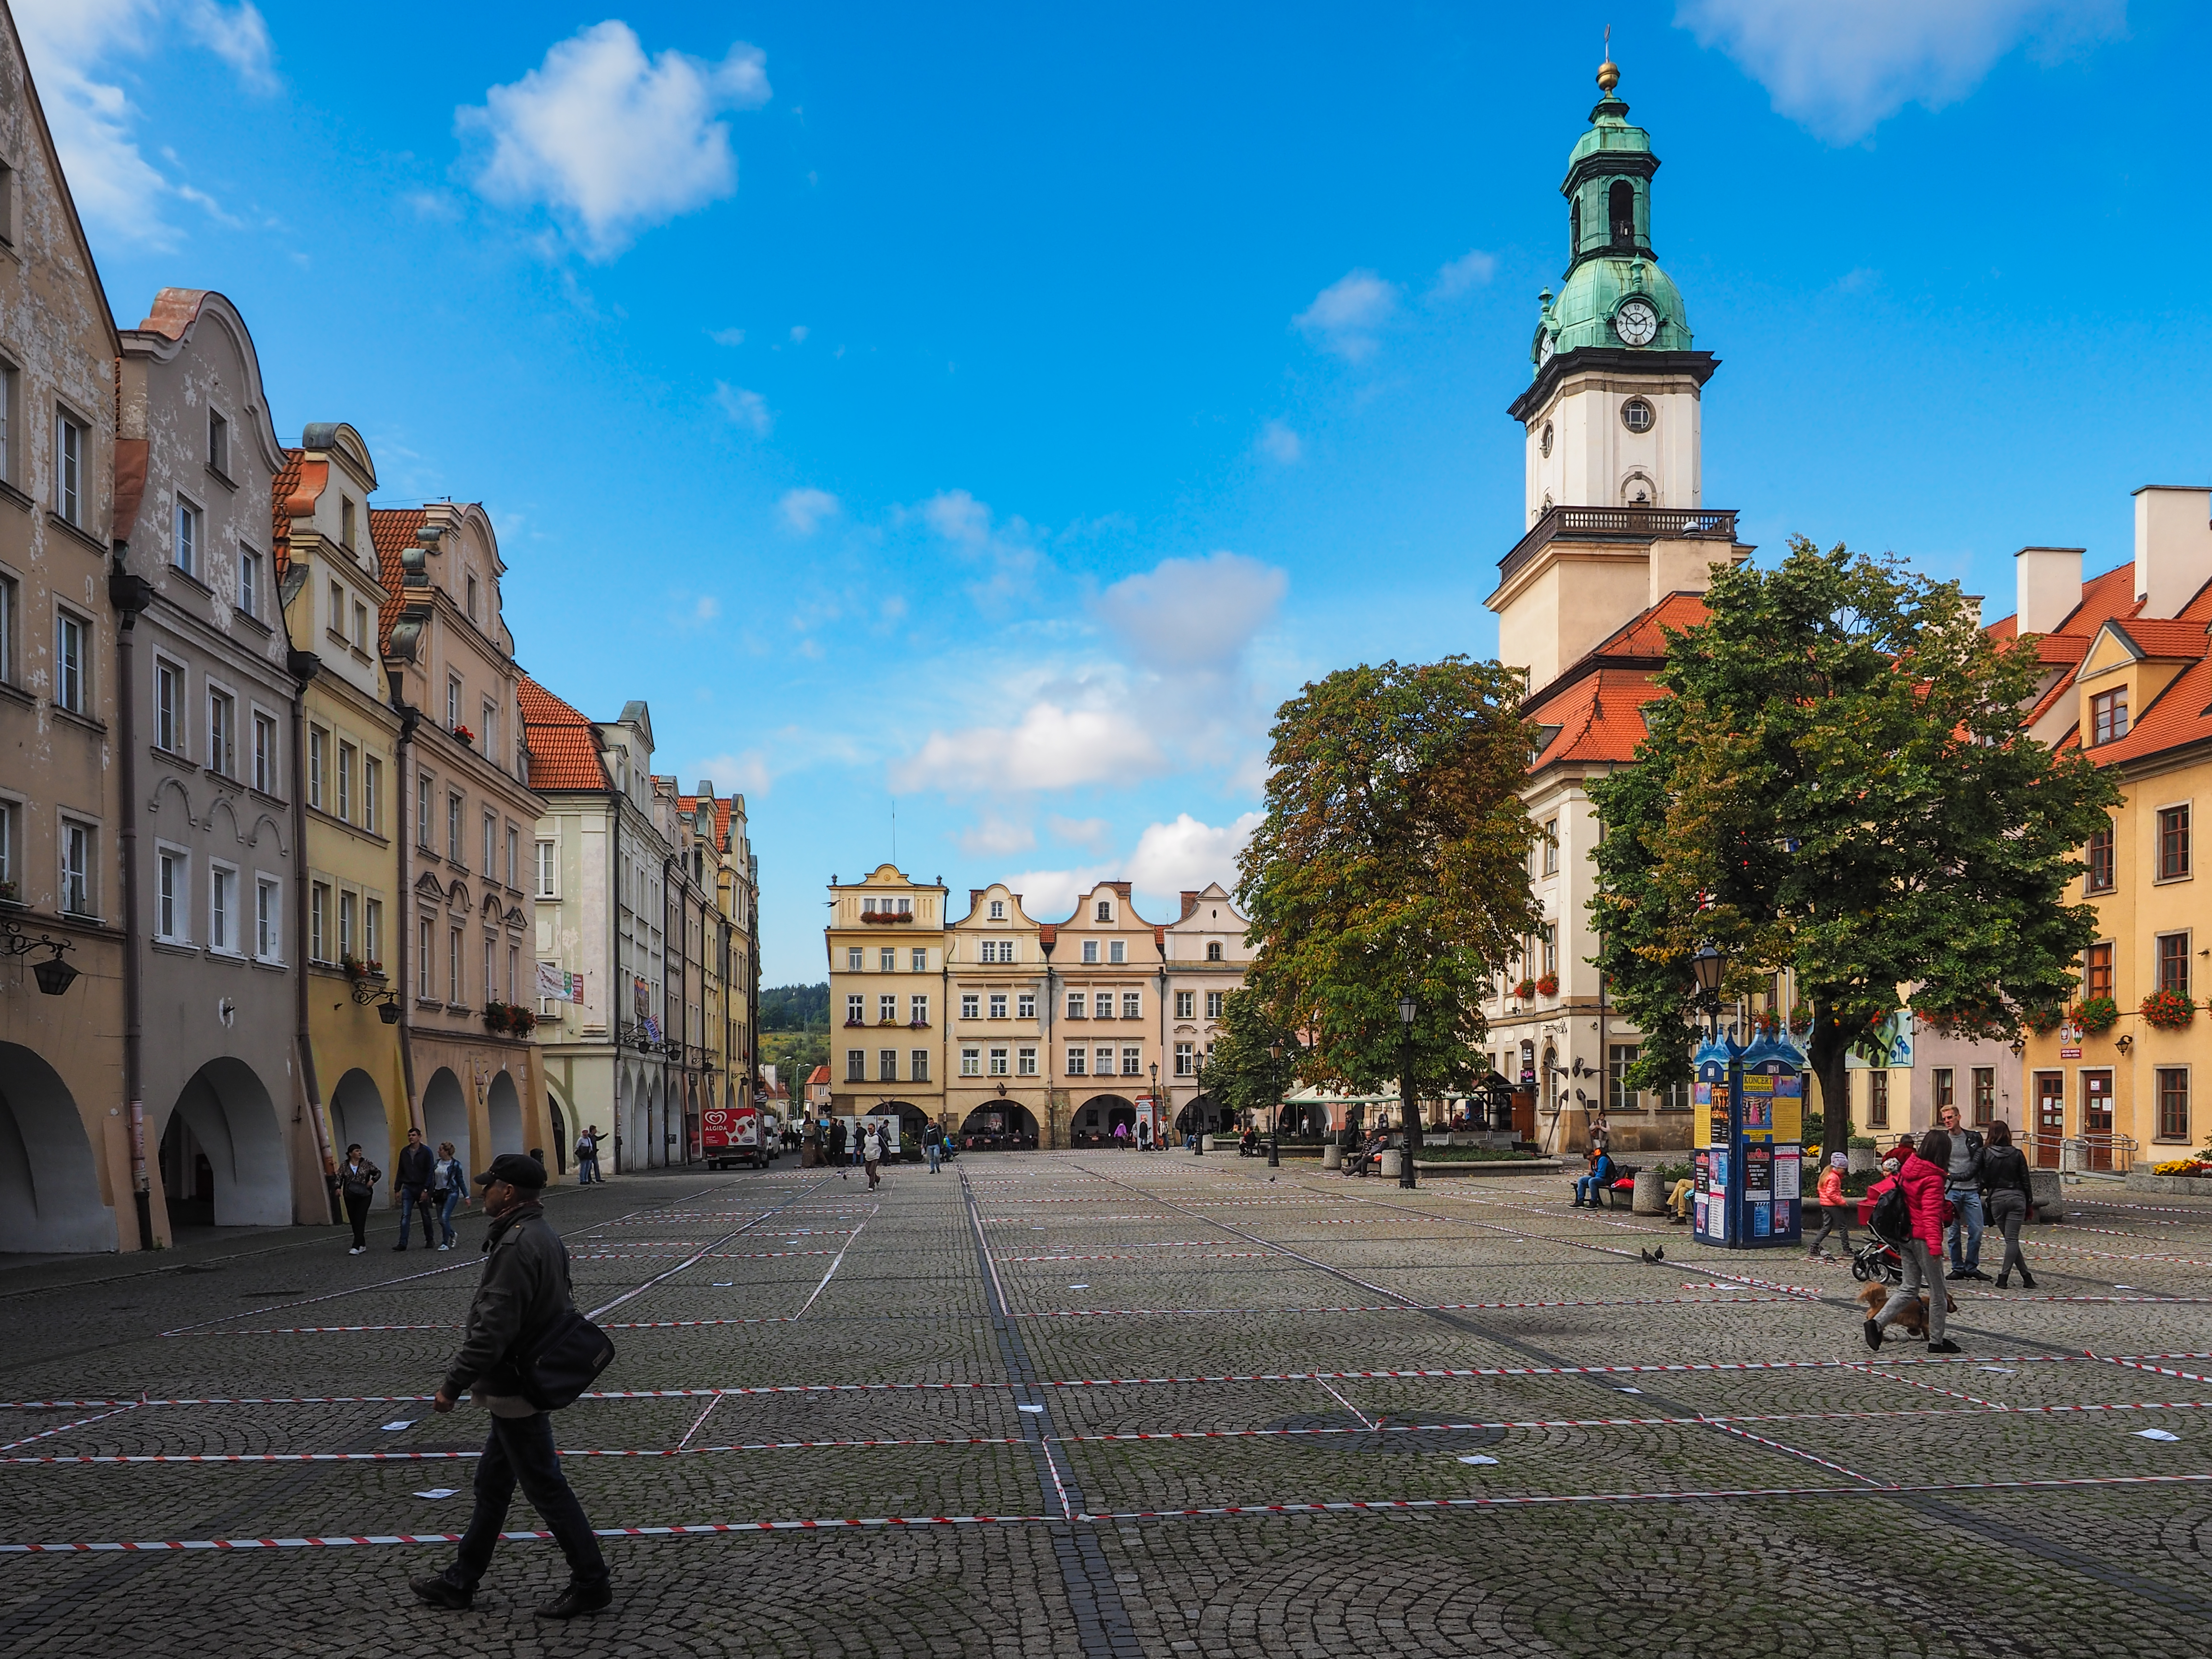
(1879,1260)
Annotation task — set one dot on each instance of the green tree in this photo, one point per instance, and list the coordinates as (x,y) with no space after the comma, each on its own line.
(1394,859)
(1243,1073)
(1840,784)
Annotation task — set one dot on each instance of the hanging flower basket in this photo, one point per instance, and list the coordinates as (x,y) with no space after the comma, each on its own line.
(1548,985)
(2097,1014)
(1525,989)
(2169,1011)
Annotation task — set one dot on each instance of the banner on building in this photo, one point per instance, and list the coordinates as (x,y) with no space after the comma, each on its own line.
(555,984)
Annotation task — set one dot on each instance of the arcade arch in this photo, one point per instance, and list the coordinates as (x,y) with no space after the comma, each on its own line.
(222,1154)
(49,1184)
(503,1115)
(357,1114)
(1001,1125)
(445,1115)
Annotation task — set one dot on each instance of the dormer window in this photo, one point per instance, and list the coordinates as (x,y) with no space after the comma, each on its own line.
(998,910)
(2108,716)
(1214,950)
(1105,911)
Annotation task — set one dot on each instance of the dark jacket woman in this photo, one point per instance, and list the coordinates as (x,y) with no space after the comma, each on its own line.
(2010,1197)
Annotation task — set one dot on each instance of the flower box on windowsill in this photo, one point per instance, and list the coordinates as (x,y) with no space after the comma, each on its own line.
(917,1025)
(886,915)
(462,734)
(854,1024)
(1548,985)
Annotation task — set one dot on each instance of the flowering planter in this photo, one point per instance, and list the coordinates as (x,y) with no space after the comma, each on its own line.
(886,915)
(2097,1014)
(2169,1011)
(1547,987)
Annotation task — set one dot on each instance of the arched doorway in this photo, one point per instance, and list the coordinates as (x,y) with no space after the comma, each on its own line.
(445,1115)
(1092,1125)
(222,1154)
(559,1120)
(912,1120)
(652,1153)
(999,1125)
(1200,1115)
(357,1114)
(49,1185)
(632,1130)
(503,1115)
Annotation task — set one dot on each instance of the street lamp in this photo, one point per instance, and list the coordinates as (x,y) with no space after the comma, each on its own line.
(1711,967)
(1156,1094)
(1407,1110)
(1275,1137)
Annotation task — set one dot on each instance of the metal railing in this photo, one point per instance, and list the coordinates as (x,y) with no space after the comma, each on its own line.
(1627,524)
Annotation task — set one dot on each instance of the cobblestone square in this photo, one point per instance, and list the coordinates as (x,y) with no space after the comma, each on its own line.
(1110,1403)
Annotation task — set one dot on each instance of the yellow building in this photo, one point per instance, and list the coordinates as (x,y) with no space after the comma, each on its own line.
(887,986)
(998,1012)
(2128,679)
(345,763)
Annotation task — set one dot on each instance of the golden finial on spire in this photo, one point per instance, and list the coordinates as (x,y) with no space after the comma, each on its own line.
(1608,72)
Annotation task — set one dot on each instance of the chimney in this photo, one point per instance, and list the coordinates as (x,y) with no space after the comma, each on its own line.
(2049,583)
(1190,902)
(2173,547)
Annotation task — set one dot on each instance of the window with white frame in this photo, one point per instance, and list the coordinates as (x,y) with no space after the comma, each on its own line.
(1186,1059)
(971,1062)
(1090,950)
(1103,1004)
(372,930)
(920,957)
(249,581)
(348,756)
(337,621)
(886,1064)
(319,749)
(917,1070)
(853,958)
(68,470)
(1132,1062)
(887,959)
(1186,1005)
(887,1010)
(78,896)
(1133,1004)
(998,1005)
(360,633)
(856,1010)
(72,663)
(453,825)
(1000,1066)
(168,706)
(514,858)
(1105,910)
(171,893)
(1078,1005)
(998,910)
(452,702)
(349,924)
(1101,1059)
(918,1008)
(1214,950)
(264,752)
(1075,1061)
(425,788)
(488,735)
(319,922)
(490,865)
(453,968)
(971,1006)
(856,1066)
(222,732)
(1215,1002)
(222,909)
(1025,1062)
(1117,951)
(513,970)
(422,965)
(546,866)
(490,963)
(268,919)
(190,527)
(1025,1005)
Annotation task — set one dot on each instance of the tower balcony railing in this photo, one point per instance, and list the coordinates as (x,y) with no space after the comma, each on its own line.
(1617,523)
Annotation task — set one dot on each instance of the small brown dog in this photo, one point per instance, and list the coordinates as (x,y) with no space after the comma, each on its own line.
(1913,1321)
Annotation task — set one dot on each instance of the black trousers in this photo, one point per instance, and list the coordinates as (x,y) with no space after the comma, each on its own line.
(520,1449)
(357,1212)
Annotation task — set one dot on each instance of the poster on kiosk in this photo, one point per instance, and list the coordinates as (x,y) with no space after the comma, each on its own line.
(1750,1105)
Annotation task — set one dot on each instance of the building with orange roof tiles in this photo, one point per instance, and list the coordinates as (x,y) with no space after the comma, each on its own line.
(2128,679)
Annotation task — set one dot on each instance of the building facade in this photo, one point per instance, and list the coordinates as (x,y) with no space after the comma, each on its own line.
(2128,679)
(996,1022)
(887,984)
(228,1104)
(722,855)
(1107,989)
(1206,959)
(472,1069)
(77,1156)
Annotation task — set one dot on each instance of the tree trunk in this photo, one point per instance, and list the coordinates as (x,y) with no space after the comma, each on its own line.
(1826,1060)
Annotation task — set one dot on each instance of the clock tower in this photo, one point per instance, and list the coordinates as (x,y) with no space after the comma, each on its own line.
(1614,518)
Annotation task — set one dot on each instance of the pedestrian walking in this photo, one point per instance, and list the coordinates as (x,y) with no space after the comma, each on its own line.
(1962,1185)
(357,1179)
(523,1293)
(1144,1135)
(1835,1209)
(871,1153)
(932,1145)
(837,1148)
(449,1189)
(2011,1199)
(1920,1184)
(587,1157)
(413,1176)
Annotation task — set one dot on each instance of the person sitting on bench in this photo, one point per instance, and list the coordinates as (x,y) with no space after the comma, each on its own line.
(1597,1181)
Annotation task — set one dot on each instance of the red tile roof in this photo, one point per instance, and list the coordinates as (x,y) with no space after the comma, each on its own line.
(1645,635)
(391,532)
(564,749)
(1599,717)
(174,308)
(688,804)
(281,489)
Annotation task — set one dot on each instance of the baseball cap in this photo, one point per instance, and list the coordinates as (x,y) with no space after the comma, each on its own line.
(517,1168)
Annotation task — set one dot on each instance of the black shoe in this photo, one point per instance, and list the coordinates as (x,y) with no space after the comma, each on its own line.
(399,1246)
(2004,1281)
(440,1591)
(1945,1345)
(2026,1279)
(577,1598)
(1873,1335)
(1957,1273)
(1975,1273)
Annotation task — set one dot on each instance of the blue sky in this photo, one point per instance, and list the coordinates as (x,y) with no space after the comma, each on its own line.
(999,413)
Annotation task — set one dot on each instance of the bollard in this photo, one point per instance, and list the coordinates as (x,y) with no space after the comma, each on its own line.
(1651,1193)
(1391,1162)
(1332,1156)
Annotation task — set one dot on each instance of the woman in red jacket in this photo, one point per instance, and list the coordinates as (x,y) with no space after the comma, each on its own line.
(1921,1178)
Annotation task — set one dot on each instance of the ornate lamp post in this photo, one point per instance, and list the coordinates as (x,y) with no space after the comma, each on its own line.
(1407,1111)
(1711,967)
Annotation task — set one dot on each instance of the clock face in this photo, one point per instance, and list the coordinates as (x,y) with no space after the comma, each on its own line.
(1637,323)
(1545,347)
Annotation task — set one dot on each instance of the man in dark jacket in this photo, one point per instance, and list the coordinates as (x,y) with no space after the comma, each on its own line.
(525,1288)
(412,1177)
(1962,1185)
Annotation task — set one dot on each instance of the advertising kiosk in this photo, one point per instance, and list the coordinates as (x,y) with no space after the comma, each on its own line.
(1751,1112)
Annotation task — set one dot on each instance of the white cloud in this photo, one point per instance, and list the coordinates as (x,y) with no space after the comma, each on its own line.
(746,409)
(1840,70)
(1050,895)
(968,526)
(798,334)
(68,43)
(610,141)
(1194,613)
(1093,835)
(1278,443)
(747,772)
(1346,316)
(995,837)
(1171,857)
(804,510)
(1472,269)
(1052,748)
(727,337)
(707,609)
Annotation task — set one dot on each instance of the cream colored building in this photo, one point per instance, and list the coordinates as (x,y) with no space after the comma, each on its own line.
(886,940)
(1206,958)
(1108,984)
(997,1001)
